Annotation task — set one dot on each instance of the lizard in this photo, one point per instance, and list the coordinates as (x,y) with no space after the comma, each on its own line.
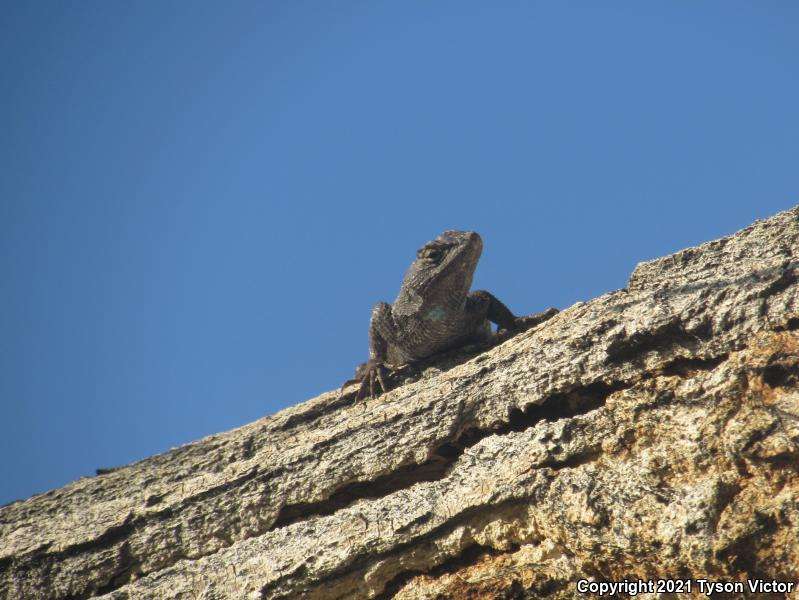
(435,312)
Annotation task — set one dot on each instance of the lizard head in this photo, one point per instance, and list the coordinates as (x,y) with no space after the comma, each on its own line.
(446,263)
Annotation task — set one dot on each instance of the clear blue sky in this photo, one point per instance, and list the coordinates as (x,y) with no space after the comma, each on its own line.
(200,202)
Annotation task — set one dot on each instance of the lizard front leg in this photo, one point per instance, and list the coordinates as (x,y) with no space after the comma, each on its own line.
(488,306)
(374,372)
(528,321)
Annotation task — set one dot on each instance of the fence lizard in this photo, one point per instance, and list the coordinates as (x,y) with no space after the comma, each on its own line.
(435,312)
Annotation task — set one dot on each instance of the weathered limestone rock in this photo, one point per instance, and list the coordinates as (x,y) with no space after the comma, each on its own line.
(650,433)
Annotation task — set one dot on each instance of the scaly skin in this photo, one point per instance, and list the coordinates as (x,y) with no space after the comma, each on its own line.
(435,311)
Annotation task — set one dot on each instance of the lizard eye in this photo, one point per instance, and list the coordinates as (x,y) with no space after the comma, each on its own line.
(431,253)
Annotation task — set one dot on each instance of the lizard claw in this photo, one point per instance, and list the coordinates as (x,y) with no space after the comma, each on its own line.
(371,375)
(379,373)
(529,321)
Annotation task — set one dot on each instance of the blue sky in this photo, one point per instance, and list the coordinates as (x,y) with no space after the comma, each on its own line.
(200,202)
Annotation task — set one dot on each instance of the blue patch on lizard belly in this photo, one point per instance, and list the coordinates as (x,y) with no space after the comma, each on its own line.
(437,313)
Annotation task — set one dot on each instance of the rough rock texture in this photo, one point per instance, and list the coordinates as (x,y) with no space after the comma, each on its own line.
(652,432)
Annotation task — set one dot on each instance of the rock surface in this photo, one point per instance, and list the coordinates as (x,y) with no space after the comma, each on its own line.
(652,432)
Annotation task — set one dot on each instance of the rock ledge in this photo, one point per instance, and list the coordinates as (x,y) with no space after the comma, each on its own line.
(652,432)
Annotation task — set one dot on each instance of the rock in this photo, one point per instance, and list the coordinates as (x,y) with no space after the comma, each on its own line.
(650,433)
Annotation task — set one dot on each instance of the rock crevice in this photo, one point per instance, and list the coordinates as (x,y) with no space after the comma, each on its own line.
(652,432)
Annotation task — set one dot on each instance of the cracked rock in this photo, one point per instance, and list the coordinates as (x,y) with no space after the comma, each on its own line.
(652,432)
